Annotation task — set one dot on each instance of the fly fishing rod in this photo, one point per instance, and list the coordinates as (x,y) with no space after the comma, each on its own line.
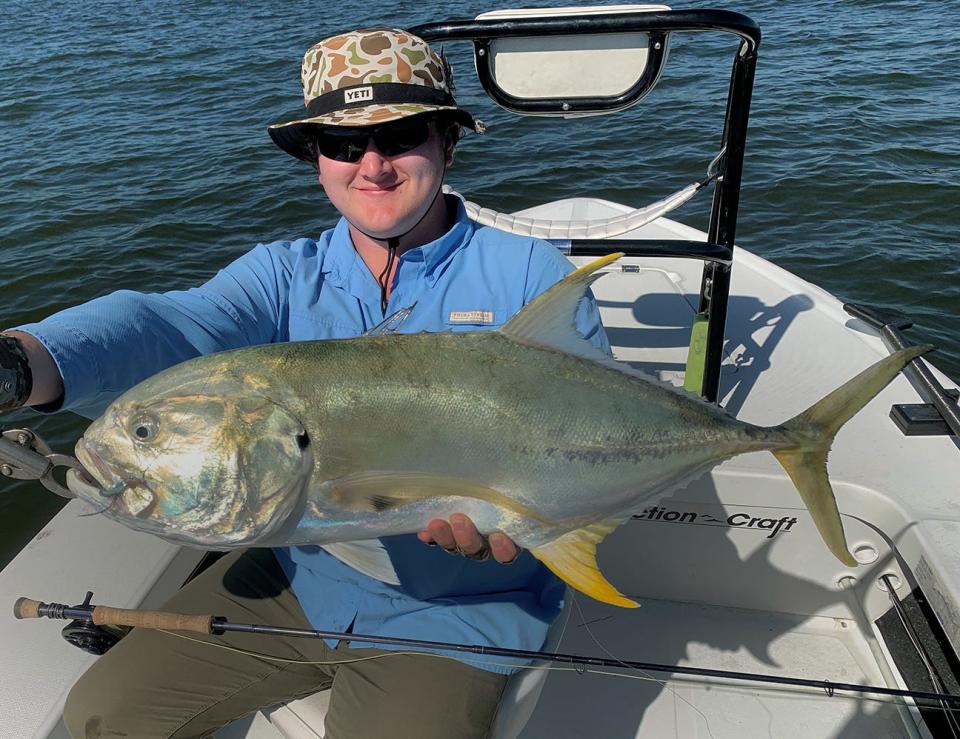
(218,625)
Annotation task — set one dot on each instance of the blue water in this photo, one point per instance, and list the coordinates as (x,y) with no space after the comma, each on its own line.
(134,153)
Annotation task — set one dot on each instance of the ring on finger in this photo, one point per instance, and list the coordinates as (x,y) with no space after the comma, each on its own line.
(482,554)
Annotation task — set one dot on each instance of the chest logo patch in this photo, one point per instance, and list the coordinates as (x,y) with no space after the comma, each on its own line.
(471,316)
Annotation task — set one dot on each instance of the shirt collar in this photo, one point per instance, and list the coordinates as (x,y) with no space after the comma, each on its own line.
(343,267)
(438,253)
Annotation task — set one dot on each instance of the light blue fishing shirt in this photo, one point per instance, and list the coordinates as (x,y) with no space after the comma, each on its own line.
(472,278)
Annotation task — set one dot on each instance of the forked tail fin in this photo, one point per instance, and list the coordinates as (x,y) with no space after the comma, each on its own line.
(811,434)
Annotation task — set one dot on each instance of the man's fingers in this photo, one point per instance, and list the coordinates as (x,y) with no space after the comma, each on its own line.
(466,535)
(503,549)
(440,533)
(461,535)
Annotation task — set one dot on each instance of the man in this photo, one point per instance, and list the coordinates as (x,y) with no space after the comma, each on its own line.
(381,127)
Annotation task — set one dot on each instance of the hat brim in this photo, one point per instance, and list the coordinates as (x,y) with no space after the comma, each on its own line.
(293,136)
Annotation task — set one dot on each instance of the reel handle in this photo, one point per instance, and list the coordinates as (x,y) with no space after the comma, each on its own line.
(105,615)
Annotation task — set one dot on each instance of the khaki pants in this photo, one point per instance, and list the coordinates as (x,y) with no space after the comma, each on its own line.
(153,684)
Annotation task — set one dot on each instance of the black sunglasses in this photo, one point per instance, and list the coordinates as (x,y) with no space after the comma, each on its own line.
(396,137)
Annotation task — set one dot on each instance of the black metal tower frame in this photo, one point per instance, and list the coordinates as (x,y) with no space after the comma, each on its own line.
(717,251)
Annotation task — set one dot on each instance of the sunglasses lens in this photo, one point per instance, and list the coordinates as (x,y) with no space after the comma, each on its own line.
(342,145)
(401,137)
(349,144)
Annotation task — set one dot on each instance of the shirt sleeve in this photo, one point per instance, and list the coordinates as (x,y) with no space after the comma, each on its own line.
(547,267)
(106,346)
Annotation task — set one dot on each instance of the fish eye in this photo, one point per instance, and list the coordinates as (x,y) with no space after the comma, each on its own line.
(144,427)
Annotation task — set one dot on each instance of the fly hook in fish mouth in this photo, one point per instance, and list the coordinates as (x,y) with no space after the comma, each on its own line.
(114,490)
(143,498)
(94,463)
(140,503)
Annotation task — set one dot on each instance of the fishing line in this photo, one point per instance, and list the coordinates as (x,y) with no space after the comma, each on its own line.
(663,683)
(103,510)
(392,653)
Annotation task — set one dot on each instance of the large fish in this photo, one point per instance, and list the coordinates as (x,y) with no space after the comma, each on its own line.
(529,430)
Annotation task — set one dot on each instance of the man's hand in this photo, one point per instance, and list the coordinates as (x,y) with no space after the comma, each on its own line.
(461,536)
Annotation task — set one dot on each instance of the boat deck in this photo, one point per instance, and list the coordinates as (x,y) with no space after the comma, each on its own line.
(624,703)
(670,632)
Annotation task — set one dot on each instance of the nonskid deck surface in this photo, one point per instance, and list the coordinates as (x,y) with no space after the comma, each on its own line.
(657,705)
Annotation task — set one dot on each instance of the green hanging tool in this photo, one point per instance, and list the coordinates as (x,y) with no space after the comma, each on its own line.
(697,355)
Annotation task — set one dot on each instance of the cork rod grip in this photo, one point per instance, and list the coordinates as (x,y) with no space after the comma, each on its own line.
(26,608)
(152,619)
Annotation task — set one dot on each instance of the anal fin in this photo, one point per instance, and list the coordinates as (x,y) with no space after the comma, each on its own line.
(573,558)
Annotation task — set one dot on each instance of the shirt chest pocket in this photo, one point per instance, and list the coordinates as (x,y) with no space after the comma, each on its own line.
(469,318)
(307,327)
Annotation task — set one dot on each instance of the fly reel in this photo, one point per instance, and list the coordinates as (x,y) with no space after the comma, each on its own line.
(90,637)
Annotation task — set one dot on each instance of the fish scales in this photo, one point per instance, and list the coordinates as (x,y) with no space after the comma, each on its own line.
(408,398)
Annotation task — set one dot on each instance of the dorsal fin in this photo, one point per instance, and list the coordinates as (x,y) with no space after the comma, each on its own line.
(550,319)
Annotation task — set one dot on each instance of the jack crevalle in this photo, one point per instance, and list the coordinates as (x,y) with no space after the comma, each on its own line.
(529,430)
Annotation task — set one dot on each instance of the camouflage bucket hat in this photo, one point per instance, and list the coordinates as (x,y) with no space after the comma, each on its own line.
(367,77)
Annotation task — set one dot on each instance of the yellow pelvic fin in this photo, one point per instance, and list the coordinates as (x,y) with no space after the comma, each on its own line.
(381,491)
(573,558)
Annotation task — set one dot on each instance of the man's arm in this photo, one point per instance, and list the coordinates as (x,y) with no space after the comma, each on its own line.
(84,357)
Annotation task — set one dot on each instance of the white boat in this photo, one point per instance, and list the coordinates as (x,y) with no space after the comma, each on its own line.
(730,571)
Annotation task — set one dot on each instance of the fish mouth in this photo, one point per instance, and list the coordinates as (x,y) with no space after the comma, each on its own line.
(136,494)
(96,466)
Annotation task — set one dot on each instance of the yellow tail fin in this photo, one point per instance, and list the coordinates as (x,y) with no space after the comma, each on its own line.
(811,433)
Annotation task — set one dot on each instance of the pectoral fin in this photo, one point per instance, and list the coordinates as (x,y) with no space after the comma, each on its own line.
(573,558)
(381,491)
(367,556)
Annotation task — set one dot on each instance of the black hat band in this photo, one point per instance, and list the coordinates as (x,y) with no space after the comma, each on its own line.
(380,93)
